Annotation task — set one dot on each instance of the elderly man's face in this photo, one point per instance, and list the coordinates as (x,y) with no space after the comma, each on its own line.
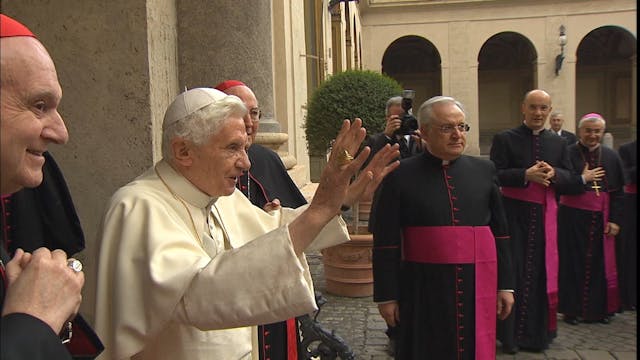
(590,133)
(217,164)
(29,115)
(536,108)
(252,118)
(443,135)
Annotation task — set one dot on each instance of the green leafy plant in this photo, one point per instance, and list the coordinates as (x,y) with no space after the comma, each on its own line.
(347,95)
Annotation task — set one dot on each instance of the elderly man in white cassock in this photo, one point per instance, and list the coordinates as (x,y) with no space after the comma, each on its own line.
(187,264)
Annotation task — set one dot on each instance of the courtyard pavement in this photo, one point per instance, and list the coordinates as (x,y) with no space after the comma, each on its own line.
(357,321)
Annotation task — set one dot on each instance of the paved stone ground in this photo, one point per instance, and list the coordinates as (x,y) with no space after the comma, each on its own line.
(357,321)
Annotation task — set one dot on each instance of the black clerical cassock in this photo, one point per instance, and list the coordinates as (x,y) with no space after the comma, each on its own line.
(425,200)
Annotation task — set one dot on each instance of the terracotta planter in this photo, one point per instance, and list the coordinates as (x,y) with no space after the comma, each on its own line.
(347,267)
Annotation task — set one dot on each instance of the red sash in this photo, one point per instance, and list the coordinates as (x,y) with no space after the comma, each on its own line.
(538,194)
(591,202)
(463,245)
(631,189)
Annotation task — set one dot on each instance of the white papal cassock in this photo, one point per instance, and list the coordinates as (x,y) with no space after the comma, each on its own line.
(164,283)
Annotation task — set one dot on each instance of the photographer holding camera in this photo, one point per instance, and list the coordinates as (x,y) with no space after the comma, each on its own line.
(401,127)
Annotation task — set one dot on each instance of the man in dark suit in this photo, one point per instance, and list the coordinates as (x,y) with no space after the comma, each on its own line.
(556,119)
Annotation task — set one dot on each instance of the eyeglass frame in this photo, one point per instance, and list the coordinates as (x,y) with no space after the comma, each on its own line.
(448,129)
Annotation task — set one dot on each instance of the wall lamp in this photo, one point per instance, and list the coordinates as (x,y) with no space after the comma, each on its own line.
(562,40)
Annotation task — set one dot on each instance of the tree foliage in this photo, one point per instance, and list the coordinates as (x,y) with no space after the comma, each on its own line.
(347,95)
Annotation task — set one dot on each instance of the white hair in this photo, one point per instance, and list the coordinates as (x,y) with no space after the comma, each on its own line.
(425,113)
(396,100)
(593,117)
(202,123)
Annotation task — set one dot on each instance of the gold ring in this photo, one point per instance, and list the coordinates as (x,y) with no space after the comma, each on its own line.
(344,158)
(75,265)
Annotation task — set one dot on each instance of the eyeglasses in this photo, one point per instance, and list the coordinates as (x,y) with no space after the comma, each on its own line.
(448,129)
(255,114)
(593,131)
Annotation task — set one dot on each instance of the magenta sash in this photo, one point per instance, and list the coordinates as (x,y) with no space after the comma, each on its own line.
(591,202)
(463,245)
(631,189)
(538,194)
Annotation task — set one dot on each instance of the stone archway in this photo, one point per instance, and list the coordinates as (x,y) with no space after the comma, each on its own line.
(605,79)
(414,62)
(506,71)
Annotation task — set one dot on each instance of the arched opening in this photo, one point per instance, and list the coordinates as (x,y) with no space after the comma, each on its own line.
(605,80)
(415,63)
(506,71)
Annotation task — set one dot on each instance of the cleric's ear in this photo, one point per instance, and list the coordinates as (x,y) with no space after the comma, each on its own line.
(182,151)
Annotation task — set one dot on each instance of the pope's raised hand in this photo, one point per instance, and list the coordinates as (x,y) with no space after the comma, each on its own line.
(367,182)
(340,168)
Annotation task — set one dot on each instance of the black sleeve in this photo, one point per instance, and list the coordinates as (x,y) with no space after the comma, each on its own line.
(615,188)
(571,183)
(564,172)
(24,337)
(499,228)
(628,156)
(384,224)
(499,154)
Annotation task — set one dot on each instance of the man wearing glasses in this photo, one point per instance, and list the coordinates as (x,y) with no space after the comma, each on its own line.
(267,185)
(441,259)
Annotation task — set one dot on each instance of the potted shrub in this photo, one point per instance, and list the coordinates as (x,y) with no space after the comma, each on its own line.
(348,95)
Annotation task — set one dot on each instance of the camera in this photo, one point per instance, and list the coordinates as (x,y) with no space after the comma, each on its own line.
(409,123)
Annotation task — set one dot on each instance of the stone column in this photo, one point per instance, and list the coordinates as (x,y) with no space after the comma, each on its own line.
(225,40)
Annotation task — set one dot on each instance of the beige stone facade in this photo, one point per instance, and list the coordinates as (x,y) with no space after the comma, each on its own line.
(489,53)
(121,62)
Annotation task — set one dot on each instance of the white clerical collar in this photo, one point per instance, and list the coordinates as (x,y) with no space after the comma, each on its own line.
(445,162)
(183,187)
(591,148)
(535,132)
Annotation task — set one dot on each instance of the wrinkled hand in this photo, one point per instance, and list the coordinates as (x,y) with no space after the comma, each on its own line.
(335,178)
(390,312)
(612,229)
(42,285)
(392,125)
(540,173)
(592,174)
(367,182)
(505,304)
(272,205)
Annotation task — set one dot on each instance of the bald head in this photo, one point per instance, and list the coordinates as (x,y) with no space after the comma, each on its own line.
(252,119)
(29,117)
(536,107)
